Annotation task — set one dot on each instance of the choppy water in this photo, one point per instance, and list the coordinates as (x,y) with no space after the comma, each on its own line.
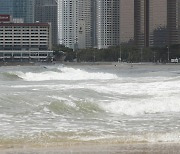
(64,104)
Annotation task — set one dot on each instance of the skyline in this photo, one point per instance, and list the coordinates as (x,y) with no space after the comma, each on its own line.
(99,24)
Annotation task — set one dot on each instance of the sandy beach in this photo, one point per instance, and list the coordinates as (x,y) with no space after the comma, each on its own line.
(156,148)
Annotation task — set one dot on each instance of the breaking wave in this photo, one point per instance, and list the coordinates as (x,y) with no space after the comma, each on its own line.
(64,73)
(105,108)
(62,106)
(9,76)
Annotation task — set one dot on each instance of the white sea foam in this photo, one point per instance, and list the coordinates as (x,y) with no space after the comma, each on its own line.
(65,74)
(141,98)
(63,107)
(161,105)
(5,116)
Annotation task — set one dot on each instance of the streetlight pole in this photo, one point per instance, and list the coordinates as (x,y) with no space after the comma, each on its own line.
(120,54)
(94,57)
(141,55)
(154,56)
(168,53)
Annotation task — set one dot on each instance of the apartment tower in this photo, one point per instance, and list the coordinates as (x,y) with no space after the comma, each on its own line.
(85,15)
(68,23)
(107,23)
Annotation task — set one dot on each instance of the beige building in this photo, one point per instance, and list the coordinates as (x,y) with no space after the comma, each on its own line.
(158,23)
(25,42)
(150,23)
(25,36)
(126,20)
(26,56)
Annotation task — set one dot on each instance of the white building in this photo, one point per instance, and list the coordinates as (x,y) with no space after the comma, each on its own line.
(85,34)
(108,23)
(68,23)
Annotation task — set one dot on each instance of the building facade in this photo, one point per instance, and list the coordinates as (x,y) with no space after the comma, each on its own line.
(18,9)
(46,11)
(139,24)
(150,27)
(94,25)
(24,36)
(68,23)
(24,9)
(126,21)
(85,34)
(158,34)
(6,7)
(26,56)
(173,21)
(107,23)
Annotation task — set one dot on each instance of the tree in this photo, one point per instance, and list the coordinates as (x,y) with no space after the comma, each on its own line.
(62,52)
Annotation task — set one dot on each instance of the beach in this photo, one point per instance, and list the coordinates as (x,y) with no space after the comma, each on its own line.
(142,148)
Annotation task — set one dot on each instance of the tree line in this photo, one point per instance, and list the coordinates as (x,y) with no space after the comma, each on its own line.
(124,53)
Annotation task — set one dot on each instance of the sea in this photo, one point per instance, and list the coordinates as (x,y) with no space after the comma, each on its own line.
(102,104)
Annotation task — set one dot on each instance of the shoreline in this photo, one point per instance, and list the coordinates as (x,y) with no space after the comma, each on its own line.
(114,63)
(85,63)
(134,148)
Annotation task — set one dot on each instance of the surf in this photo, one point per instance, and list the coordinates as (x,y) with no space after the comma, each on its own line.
(64,73)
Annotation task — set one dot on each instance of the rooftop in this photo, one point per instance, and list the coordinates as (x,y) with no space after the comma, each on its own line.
(24,24)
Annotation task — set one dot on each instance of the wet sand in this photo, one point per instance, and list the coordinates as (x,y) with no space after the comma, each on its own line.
(158,148)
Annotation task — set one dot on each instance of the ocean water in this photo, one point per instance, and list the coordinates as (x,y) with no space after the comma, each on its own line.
(58,104)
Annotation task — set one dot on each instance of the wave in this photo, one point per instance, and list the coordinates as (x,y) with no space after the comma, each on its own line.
(10,76)
(62,106)
(64,73)
(136,106)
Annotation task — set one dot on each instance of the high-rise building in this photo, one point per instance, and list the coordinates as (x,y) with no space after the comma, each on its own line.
(139,23)
(68,23)
(126,21)
(85,26)
(150,23)
(20,9)
(6,7)
(24,9)
(173,21)
(94,21)
(46,12)
(107,23)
